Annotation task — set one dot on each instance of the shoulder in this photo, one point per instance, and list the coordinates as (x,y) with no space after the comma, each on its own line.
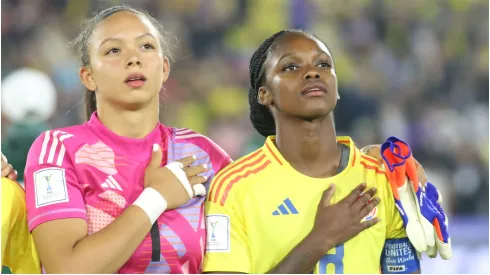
(187,141)
(370,164)
(250,168)
(12,194)
(50,147)
(188,136)
(10,187)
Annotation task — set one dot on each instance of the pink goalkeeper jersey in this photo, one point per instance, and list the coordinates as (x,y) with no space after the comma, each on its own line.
(88,172)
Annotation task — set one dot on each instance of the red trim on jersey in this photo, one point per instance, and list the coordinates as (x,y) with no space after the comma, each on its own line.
(272,152)
(235,180)
(372,168)
(247,164)
(226,169)
(370,159)
(354,158)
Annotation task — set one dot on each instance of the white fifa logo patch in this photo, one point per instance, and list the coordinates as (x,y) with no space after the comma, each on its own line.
(50,186)
(218,233)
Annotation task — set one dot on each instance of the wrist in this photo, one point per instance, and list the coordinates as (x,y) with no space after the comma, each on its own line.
(320,241)
(152,203)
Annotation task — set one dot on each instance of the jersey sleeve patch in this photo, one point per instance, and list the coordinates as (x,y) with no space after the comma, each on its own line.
(50,186)
(399,257)
(218,233)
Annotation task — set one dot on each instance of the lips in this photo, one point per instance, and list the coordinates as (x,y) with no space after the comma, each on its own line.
(314,90)
(135,80)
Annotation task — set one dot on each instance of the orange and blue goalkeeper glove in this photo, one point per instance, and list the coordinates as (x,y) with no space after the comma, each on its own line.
(419,206)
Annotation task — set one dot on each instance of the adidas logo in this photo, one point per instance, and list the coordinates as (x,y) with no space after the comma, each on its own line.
(111,183)
(285,208)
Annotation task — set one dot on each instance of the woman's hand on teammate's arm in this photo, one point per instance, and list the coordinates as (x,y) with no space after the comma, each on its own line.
(64,245)
(7,169)
(374,151)
(334,225)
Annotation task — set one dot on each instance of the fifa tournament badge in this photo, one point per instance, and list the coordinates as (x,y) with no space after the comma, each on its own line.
(213,226)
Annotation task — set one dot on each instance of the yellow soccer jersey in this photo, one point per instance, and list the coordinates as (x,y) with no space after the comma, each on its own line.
(18,251)
(259,208)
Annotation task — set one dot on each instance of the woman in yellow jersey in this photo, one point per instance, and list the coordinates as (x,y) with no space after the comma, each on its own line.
(268,212)
(18,252)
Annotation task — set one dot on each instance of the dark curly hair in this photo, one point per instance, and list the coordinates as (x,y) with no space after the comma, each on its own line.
(261,117)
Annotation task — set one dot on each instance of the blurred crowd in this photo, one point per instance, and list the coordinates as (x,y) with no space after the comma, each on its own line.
(414,69)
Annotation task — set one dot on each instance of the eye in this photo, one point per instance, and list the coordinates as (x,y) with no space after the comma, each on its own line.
(290,67)
(324,65)
(112,51)
(148,46)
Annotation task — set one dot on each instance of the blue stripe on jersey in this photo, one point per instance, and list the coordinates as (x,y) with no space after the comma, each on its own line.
(291,207)
(283,209)
(160,267)
(173,239)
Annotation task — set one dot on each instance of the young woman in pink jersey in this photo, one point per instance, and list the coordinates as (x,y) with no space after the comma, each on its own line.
(118,193)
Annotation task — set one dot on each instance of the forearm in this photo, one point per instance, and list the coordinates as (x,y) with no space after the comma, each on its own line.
(302,259)
(107,250)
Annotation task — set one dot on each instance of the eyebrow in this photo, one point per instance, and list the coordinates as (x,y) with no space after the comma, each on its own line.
(318,53)
(117,39)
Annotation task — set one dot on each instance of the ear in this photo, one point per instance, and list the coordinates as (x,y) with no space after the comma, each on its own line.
(166,69)
(264,96)
(85,75)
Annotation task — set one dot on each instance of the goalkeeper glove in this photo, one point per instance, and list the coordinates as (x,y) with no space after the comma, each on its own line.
(419,206)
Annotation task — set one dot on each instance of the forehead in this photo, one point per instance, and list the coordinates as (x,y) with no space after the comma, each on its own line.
(298,43)
(121,24)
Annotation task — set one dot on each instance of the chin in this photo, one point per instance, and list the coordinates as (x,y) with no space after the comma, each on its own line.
(137,100)
(314,112)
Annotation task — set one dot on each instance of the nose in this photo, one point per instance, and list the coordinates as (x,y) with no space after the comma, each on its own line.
(134,60)
(311,74)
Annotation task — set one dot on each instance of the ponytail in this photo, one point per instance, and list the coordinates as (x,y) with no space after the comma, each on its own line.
(90,104)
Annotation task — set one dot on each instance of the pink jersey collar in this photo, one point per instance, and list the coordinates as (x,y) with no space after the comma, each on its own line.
(131,146)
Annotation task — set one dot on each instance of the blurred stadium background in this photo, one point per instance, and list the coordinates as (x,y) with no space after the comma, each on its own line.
(415,69)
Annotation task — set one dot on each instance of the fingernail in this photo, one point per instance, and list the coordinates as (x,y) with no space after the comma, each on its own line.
(330,186)
(374,189)
(194,157)
(205,166)
(155,147)
(205,178)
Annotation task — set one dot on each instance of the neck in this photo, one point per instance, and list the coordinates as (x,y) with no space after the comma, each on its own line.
(129,123)
(309,146)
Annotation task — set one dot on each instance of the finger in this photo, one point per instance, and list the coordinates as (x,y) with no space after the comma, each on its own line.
(328,195)
(194,170)
(369,207)
(375,152)
(197,180)
(199,190)
(367,224)
(421,173)
(352,197)
(7,170)
(187,160)
(364,199)
(13,175)
(156,156)
(4,161)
